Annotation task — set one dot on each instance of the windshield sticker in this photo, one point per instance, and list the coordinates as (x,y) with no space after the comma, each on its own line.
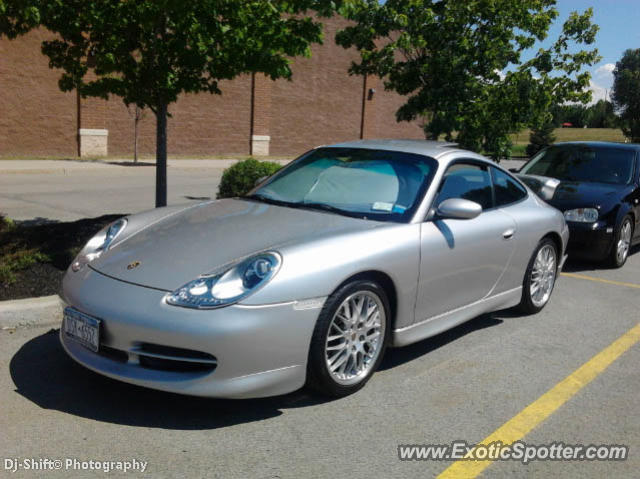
(399,209)
(382,206)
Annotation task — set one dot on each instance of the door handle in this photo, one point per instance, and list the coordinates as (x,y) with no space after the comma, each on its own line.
(509,233)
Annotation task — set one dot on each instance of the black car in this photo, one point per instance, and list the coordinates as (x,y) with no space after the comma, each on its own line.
(596,185)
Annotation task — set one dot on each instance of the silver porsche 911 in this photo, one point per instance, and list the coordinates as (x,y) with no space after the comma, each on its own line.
(306,280)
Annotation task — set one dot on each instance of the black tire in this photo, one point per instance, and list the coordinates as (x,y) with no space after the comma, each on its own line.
(615,260)
(527,304)
(319,378)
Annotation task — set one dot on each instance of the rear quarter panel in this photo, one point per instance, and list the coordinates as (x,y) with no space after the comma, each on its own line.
(534,220)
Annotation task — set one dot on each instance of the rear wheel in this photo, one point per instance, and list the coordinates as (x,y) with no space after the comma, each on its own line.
(349,339)
(540,277)
(621,243)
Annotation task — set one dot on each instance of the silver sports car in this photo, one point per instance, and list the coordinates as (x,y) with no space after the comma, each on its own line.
(306,280)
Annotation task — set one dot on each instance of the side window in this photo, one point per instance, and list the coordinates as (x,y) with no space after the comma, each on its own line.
(467,181)
(507,190)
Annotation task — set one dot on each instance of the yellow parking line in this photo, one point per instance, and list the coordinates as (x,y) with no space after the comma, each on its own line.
(600,280)
(539,410)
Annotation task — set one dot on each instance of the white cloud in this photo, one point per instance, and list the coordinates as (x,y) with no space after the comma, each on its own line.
(601,87)
(606,69)
(598,92)
(500,73)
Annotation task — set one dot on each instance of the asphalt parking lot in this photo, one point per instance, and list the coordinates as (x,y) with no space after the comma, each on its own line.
(462,385)
(58,190)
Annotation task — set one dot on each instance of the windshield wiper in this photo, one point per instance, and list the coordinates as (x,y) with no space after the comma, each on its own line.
(302,204)
(268,199)
(329,208)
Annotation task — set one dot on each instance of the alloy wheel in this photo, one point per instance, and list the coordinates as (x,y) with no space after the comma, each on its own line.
(355,337)
(543,275)
(624,242)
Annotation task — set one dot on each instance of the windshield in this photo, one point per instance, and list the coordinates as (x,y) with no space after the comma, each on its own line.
(592,164)
(372,184)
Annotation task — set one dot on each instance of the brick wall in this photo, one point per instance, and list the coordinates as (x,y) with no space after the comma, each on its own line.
(36,118)
(322,104)
(199,124)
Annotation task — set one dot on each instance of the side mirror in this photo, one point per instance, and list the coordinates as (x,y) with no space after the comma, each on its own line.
(459,209)
(260,180)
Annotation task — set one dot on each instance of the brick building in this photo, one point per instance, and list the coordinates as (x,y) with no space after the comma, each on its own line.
(254,115)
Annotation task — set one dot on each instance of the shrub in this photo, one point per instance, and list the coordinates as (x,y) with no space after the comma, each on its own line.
(6,224)
(540,138)
(240,178)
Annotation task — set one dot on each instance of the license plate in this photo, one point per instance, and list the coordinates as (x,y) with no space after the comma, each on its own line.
(82,328)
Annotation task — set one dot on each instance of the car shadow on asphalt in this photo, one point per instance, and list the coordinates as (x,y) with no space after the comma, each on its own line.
(577,266)
(44,374)
(396,356)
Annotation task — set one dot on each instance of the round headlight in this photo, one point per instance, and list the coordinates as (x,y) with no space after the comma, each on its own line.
(230,286)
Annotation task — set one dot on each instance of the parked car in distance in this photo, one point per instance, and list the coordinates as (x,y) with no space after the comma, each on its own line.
(307,279)
(596,186)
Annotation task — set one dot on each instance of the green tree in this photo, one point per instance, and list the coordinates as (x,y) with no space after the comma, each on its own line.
(575,114)
(540,138)
(448,58)
(601,115)
(626,93)
(149,52)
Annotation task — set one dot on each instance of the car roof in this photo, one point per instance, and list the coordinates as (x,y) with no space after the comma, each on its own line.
(430,148)
(613,144)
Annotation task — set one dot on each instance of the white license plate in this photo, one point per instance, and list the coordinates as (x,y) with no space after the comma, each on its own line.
(82,328)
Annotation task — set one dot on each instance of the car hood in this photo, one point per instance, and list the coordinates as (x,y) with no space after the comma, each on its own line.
(570,194)
(204,238)
(566,195)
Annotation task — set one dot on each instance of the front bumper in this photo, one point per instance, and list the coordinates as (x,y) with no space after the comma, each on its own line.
(260,350)
(590,241)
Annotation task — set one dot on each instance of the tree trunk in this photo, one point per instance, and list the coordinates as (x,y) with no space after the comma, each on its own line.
(161,156)
(135,135)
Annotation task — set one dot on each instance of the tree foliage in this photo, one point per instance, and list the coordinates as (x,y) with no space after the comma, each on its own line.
(149,52)
(459,62)
(540,138)
(599,115)
(626,93)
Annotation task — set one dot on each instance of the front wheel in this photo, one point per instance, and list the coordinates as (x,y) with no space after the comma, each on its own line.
(621,243)
(349,339)
(539,278)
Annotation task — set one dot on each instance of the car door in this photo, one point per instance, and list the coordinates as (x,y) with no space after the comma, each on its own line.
(462,260)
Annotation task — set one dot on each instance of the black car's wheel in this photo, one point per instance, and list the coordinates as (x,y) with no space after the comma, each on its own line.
(621,243)
(540,277)
(349,339)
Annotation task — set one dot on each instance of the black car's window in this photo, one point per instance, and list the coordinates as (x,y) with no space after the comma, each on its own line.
(507,190)
(375,184)
(594,164)
(469,182)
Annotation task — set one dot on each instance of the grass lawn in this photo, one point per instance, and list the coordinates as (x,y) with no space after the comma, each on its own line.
(575,134)
(33,259)
(521,140)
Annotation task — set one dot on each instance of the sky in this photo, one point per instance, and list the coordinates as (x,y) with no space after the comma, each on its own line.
(619,22)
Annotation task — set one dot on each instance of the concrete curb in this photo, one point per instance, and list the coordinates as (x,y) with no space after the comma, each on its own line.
(20,312)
